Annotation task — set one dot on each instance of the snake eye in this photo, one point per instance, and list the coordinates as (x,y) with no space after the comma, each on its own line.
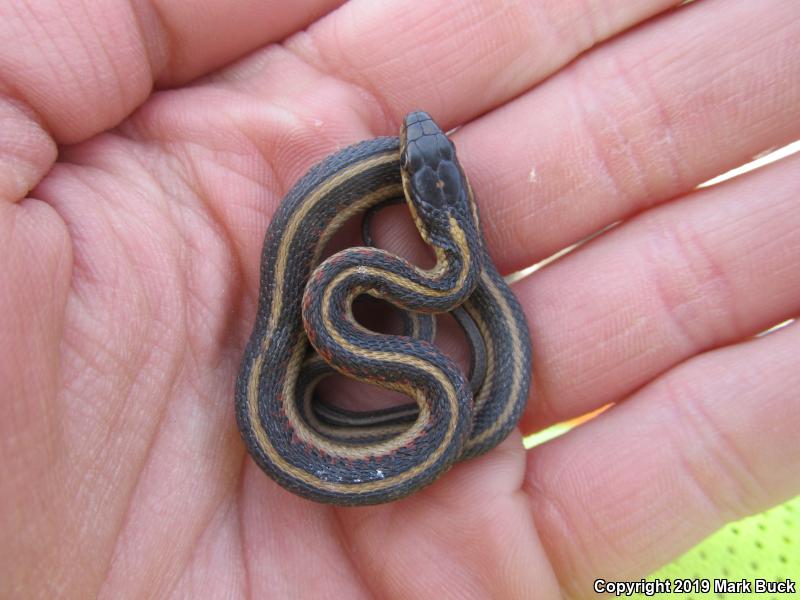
(428,187)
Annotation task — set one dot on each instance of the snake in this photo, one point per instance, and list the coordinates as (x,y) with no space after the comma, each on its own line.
(305,329)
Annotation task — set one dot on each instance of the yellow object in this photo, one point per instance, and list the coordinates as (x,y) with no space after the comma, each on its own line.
(765,546)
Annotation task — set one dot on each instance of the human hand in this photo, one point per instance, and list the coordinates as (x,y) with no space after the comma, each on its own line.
(131,228)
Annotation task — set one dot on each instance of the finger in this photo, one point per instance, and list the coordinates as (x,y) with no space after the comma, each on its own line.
(639,120)
(189,39)
(83,71)
(458,59)
(356,72)
(26,151)
(698,273)
(711,441)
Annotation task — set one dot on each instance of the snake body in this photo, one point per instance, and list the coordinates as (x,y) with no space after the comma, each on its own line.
(352,458)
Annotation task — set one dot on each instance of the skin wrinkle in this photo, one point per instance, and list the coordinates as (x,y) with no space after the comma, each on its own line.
(77,357)
(181,274)
(40,160)
(142,21)
(59,53)
(84,158)
(157,39)
(663,123)
(116,418)
(382,100)
(132,384)
(49,148)
(539,500)
(592,34)
(189,554)
(559,34)
(488,527)
(702,492)
(346,542)
(108,224)
(280,186)
(216,226)
(513,554)
(153,37)
(84,173)
(195,553)
(210,511)
(391,569)
(471,28)
(91,359)
(90,56)
(202,313)
(192,316)
(123,519)
(305,48)
(691,262)
(52,435)
(12,90)
(642,92)
(609,544)
(584,114)
(183,65)
(100,364)
(750,60)
(624,76)
(306,127)
(375,562)
(545,400)
(728,460)
(240,517)
(112,65)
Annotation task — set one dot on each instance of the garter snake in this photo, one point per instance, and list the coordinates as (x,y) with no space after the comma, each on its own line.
(352,458)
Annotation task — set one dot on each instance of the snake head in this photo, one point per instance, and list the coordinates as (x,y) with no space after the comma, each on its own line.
(436,189)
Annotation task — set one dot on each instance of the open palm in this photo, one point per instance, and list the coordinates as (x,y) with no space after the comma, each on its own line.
(143,150)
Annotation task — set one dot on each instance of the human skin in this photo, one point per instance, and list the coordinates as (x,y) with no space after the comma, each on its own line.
(144,148)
